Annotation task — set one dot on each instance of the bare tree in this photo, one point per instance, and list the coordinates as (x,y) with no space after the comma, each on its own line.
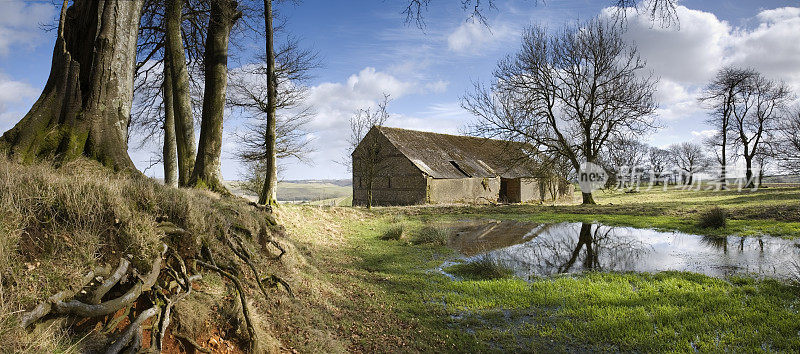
(659,163)
(366,150)
(788,141)
(567,93)
(756,114)
(177,27)
(720,96)
(627,158)
(689,158)
(250,92)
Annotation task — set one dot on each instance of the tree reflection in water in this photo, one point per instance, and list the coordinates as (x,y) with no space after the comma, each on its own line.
(546,249)
(569,249)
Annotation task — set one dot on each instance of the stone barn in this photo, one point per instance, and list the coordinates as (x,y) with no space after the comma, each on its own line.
(395,166)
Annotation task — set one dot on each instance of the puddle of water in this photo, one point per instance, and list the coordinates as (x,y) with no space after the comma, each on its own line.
(547,249)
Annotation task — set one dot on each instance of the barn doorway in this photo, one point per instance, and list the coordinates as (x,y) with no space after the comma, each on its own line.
(510,190)
(503,198)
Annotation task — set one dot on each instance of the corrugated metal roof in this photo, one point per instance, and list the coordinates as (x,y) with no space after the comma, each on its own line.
(455,156)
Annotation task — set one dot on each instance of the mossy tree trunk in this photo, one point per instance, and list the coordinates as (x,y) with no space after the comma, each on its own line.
(170,159)
(224,14)
(85,106)
(269,191)
(182,104)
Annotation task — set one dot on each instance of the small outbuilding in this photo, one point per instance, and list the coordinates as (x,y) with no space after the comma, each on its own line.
(393,166)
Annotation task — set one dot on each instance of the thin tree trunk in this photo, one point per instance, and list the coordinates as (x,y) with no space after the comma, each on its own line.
(85,106)
(207,172)
(269,192)
(182,104)
(588,198)
(724,175)
(748,161)
(170,159)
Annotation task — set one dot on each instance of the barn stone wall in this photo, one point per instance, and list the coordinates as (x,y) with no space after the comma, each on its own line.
(397,182)
(534,190)
(463,190)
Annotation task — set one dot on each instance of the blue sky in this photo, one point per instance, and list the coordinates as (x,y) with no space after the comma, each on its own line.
(367,49)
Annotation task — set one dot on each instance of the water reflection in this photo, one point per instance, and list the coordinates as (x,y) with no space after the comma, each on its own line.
(547,249)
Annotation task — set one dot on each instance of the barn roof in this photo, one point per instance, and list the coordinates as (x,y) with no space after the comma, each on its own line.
(455,156)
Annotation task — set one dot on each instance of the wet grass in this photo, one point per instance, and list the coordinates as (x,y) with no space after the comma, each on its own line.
(482,268)
(668,311)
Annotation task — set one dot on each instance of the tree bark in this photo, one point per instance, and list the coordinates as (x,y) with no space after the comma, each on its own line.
(206,172)
(85,106)
(588,198)
(182,104)
(269,192)
(748,175)
(170,144)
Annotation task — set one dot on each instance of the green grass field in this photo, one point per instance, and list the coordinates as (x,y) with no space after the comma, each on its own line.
(291,191)
(402,303)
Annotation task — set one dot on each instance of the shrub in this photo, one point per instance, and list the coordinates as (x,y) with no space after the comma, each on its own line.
(432,234)
(483,268)
(715,218)
(395,232)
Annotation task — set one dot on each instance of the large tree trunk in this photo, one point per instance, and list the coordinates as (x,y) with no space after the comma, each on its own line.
(207,166)
(170,149)
(588,198)
(182,104)
(269,192)
(86,104)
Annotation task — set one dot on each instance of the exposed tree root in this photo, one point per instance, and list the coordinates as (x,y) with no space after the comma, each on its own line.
(131,331)
(101,292)
(115,277)
(44,308)
(191,342)
(242,298)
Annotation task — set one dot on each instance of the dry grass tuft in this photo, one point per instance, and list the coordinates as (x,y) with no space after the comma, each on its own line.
(432,234)
(55,224)
(714,218)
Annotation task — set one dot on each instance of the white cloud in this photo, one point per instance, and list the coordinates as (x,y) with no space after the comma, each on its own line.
(689,54)
(19,23)
(687,57)
(13,94)
(704,133)
(779,14)
(473,36)
(772,47)
(676,101)
(336,102)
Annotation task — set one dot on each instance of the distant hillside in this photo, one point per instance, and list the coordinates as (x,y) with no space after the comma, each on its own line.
(337,182)
(307,191)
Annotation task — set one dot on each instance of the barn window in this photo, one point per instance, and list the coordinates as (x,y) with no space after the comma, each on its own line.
(455,164)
